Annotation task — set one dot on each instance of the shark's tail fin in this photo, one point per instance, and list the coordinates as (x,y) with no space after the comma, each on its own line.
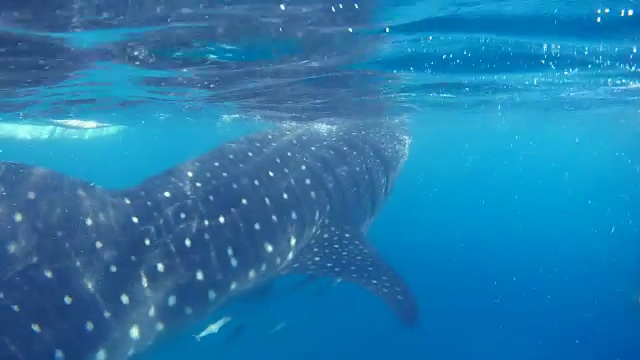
(55,239)
(40,209)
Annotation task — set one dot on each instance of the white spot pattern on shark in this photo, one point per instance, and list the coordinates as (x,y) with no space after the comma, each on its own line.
(91,273)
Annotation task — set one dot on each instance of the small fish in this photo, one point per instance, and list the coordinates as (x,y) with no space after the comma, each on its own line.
(213,328)
(278,327)
(80,124)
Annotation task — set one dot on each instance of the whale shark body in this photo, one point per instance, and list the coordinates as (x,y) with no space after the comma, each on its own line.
(91,273)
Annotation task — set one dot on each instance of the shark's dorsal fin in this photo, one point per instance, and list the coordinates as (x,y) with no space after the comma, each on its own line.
(344,253)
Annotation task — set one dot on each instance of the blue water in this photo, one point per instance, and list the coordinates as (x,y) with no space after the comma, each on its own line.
(515,219)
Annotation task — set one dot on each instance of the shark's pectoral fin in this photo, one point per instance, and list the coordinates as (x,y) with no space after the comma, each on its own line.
(345,254)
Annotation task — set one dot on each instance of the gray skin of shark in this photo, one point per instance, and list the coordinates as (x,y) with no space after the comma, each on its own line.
(90,273)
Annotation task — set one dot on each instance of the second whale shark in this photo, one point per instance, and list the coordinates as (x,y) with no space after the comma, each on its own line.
(91,273)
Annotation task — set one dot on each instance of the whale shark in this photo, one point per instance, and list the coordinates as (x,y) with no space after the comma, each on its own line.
(88,272)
